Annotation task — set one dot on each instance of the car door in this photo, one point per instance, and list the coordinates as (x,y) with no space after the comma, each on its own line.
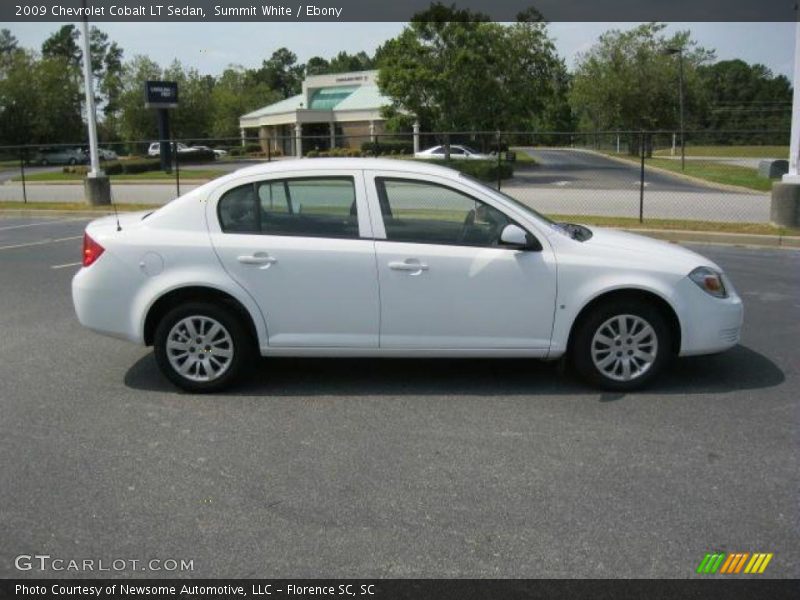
(301,245)
(445,280)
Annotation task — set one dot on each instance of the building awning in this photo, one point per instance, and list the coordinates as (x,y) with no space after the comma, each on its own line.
(329,98)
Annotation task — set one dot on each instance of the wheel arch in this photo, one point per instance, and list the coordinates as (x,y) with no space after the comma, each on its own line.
(194,293)
(638,294)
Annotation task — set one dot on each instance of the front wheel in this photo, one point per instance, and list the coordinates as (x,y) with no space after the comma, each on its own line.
(202,347)
(622,346)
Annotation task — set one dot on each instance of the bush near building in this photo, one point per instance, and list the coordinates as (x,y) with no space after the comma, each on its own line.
(485,170)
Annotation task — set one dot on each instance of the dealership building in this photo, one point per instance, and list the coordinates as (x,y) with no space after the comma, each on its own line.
(338,110)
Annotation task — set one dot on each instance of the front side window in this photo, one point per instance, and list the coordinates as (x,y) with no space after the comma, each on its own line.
(312,206)
(424,212)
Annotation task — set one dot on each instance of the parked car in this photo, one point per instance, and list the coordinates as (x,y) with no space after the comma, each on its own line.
(105,154)
(60,156)
(457,152)
(218,153)
(374,257)
(155,149)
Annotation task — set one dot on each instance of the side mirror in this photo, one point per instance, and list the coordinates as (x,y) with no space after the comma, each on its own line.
(516,237)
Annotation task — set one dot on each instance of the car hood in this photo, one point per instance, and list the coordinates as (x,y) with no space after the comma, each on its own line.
(649,251)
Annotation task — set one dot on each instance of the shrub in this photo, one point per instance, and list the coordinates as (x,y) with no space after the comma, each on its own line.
(381,147)
(250,148)
(196,156)
(140,165)
(111,168)
(485,170)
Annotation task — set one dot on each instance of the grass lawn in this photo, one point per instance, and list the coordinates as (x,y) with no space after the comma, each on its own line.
(731,151)
(716,172)
(147,176)
(678,224)
(523,157)
(617,222)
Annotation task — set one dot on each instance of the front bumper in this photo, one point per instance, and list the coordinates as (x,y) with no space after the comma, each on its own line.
(708,324)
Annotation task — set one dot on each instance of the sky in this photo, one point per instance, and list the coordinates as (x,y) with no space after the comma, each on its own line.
(210,47)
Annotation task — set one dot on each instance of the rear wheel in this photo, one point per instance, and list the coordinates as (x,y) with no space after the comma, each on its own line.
(622,346)
(202,347)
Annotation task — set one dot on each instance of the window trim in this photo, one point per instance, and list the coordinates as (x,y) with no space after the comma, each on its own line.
(382,196)
(286,180)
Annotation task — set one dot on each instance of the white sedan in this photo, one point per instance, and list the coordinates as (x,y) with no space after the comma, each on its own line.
(372,257)
(457,152)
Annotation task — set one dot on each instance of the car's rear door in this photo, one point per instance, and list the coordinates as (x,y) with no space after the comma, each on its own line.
(445,282)
(300,244)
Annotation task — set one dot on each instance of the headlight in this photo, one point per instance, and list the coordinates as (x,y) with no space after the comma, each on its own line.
(710,281)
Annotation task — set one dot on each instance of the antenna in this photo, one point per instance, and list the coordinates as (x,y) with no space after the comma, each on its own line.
(114,206)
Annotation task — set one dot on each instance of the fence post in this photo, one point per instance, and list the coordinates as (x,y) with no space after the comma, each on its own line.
(22,171)
(641,178)
(499,161)
(177,170)
(269,149)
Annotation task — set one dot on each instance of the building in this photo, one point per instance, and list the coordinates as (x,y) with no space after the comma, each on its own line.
(338,110)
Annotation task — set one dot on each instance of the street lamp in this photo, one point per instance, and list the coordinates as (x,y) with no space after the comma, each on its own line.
(679,51)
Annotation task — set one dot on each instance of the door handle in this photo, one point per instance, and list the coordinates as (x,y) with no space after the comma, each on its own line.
(261,259)
(410,264)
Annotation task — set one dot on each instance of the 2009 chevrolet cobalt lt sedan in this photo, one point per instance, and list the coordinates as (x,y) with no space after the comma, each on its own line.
(369,257)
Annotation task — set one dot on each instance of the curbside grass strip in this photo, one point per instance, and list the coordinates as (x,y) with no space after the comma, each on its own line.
(724,187)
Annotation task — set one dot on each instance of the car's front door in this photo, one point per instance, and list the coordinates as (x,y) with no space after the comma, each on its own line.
(445,280)
(301,246)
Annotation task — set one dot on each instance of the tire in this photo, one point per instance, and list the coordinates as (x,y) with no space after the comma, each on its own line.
(601,350)
(213,364)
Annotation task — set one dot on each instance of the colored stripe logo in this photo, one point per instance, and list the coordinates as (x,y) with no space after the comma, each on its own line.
(734,563)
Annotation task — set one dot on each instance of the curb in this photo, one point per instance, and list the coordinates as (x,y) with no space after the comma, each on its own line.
(715,237)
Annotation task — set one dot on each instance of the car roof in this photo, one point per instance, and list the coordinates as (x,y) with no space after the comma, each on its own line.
(349,164)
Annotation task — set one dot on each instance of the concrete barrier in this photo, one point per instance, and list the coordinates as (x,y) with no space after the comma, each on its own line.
(772,169)
(784,208)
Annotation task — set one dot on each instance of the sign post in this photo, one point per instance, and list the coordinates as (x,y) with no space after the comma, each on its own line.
(162,95)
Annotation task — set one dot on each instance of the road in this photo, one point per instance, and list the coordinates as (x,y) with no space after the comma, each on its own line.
(583,170)
(577,182)
(391,468)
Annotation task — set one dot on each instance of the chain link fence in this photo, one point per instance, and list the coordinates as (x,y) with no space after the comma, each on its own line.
(715,176)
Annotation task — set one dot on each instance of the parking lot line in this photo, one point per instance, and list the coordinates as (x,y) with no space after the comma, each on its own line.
(41,242)
(72,264)
(51,222)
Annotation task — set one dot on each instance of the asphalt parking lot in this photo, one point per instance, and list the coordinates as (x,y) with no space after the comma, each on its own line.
(402,468)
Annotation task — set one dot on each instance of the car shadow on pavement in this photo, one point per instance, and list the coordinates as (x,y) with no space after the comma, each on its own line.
(738,369)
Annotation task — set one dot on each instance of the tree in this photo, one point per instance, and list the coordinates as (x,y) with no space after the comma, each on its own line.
(455,70)
(235,94)
(281,73)
(40,101)
(137,123)
(8,43)
(742,97)
(628,81)
(64,44)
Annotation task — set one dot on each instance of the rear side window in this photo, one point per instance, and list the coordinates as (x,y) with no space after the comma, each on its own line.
(313,207)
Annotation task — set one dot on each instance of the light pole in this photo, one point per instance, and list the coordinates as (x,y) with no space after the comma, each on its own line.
(679,52)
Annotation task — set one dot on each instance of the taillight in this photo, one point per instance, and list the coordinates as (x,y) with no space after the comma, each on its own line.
(91,250)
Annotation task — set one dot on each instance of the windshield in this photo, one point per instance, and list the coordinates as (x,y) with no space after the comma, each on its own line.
(517,203)
(470,150)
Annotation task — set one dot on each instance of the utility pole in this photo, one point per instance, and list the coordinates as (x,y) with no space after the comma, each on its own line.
(679,52)
(89,90)
(96,185)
